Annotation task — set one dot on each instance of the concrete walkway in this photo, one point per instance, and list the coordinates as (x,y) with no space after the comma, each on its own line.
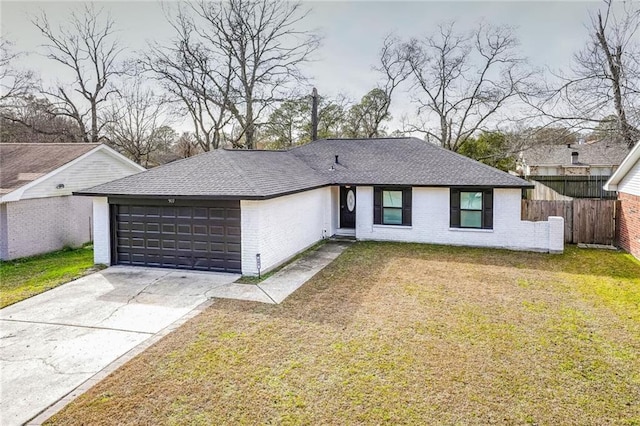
(280,285)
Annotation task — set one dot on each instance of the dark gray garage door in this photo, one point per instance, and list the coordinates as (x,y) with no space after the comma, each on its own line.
(203,236)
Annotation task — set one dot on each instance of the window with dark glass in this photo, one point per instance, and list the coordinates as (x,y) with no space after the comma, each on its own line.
(392,206)
(471,208)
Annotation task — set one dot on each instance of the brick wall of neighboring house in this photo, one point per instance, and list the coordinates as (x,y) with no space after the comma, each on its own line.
(41,225)
(629,224)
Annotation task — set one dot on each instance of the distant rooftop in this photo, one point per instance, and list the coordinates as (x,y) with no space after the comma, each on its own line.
(21,163)
(601,153)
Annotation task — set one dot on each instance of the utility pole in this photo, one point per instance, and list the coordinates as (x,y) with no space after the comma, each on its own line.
(314,114)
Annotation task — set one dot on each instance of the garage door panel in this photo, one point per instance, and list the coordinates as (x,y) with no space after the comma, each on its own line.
(153,227)
(168,228)
(185,245)
(185,212)
(233,214)
(192,237)
(184,229)
(199,229)
(200,246)
(153,243)
(168,244)
(233,247)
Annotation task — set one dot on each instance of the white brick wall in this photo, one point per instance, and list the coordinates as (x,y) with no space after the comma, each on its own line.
(430,223)
(101,231)
(281,227)
(41,225)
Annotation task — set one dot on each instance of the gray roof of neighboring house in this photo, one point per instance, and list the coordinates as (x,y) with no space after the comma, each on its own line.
(22,163)
(265,174)
(603,153)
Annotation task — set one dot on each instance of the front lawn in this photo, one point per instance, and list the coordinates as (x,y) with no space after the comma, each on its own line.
(23,278)
(401,334)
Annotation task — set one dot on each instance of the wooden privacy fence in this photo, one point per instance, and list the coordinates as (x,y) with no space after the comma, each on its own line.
(585,221)
(577,186)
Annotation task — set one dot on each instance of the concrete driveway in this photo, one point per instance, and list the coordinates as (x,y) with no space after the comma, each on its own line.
(53,342)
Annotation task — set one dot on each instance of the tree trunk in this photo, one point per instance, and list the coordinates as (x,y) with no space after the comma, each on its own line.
(614,62)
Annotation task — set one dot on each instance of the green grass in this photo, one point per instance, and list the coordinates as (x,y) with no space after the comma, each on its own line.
(23,278)
(401,334)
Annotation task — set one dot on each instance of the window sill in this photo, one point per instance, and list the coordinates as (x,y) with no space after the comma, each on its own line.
(471,230)
(392,226)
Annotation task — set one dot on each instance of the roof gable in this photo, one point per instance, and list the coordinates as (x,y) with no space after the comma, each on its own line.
(116,165)
(22,163)
(627,164)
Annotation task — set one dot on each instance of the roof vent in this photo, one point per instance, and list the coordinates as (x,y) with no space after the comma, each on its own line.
(568,145)
(574,157)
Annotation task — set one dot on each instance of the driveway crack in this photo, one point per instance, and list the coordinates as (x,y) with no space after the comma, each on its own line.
(132,298)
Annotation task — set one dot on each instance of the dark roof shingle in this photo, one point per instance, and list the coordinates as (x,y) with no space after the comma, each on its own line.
(21,163)
(265,174)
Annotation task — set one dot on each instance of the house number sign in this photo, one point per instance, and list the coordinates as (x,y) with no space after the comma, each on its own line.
(351,200)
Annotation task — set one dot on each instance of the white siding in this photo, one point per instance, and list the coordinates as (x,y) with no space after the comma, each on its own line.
(630,184)
(101,231)
(97,168)
(42,225)
(430,223)
(4,248)
(281,227)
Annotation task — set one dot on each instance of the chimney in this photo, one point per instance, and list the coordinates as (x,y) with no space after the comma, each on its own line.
(337,162)
(574,157)
(314,115)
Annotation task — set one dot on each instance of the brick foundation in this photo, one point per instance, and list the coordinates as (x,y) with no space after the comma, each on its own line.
(629,223)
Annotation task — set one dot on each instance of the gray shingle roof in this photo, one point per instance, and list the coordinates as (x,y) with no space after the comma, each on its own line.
(603,153)
(265,174)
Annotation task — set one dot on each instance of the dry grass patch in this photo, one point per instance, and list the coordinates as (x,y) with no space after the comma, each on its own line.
(401,334)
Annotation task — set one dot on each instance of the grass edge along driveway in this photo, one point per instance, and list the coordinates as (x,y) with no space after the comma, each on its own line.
(26,277)
(401,334)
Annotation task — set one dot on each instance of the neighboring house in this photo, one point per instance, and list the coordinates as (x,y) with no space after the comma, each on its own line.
(240,210)
(599,158)
(38,214)
(626,180)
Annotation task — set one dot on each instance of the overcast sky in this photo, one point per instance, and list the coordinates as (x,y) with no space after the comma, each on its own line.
(549,32)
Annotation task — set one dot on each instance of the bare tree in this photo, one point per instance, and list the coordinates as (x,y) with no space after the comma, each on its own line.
(14,82)
(462,82)
(366,118)
(196,77)
(602,89)
(29,119)
(235,58)
(187,146)
(137,124)
(87,47)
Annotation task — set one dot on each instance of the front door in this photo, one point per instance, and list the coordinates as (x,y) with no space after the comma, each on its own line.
(347,207)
